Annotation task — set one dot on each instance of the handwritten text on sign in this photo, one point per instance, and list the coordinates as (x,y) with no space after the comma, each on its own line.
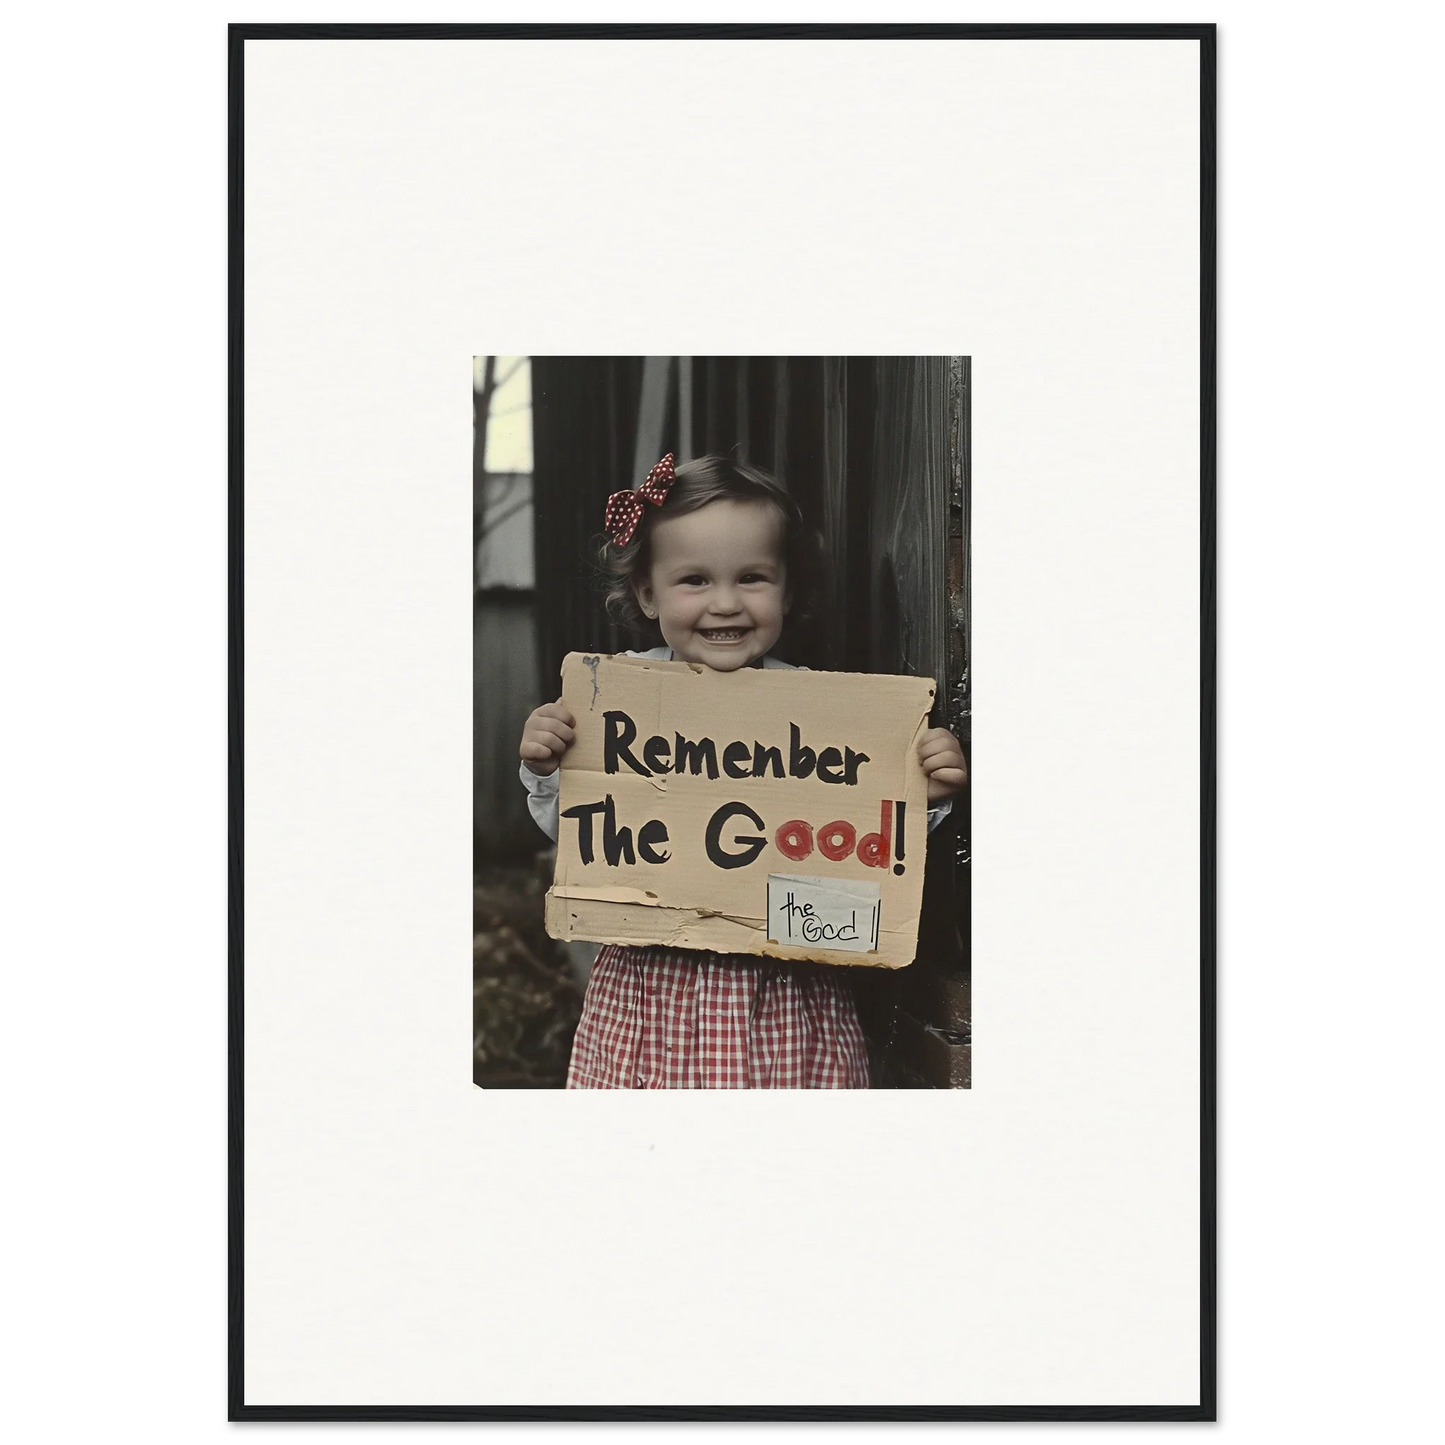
(834,913)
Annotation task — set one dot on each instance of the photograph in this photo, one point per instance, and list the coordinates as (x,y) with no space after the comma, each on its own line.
(721,722)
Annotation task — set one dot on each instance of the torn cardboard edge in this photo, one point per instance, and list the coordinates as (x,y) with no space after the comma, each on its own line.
(639,896)
(637,925)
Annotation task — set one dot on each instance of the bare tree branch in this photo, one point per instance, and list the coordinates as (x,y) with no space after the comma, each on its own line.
(481,410)
(512,370)
(493,522)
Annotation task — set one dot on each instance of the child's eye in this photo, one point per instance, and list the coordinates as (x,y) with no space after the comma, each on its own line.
(694,581)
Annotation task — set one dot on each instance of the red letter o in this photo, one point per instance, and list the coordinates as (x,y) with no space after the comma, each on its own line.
(836,840)
(794,840)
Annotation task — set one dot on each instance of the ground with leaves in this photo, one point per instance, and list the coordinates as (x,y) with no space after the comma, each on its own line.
(525,999)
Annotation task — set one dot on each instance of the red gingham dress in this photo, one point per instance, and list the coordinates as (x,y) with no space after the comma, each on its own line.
(675,1018)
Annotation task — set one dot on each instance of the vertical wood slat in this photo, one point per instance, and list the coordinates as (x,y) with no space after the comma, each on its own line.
(504,690)
(652,411)
(712,372)
(860,402)
(584,419)
(740,429)
(835,505)
(781,373)
(910,511)
(685,451)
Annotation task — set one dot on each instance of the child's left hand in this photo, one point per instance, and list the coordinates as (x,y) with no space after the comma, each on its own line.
(942,760)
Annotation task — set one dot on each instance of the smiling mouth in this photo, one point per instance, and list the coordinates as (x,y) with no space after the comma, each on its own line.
(722,634)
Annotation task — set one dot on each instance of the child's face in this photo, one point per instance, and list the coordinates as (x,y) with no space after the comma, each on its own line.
(718,587)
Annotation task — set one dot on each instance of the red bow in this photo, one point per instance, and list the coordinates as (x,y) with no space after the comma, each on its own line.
(624,509)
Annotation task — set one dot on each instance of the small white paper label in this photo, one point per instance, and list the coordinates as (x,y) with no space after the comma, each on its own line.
(822,913)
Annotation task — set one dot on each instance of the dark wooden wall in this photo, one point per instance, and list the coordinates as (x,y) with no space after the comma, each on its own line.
(504,691)
(875,449)
(584,416)
(919,1020)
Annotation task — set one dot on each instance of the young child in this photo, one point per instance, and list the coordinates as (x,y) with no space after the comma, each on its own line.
(716,555)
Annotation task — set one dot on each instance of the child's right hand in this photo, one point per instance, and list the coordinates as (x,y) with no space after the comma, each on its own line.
(547,735)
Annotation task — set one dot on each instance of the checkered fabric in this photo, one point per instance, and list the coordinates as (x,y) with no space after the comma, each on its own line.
(672,1018)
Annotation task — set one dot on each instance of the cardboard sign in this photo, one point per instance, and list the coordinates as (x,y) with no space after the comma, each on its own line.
(765,811)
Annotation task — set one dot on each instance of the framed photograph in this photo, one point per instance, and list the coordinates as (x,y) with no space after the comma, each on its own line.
(833,715)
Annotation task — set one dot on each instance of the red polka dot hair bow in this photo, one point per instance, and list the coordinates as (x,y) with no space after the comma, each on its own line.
(624,509)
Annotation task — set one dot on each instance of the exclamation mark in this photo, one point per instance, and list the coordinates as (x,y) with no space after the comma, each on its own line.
(898,836)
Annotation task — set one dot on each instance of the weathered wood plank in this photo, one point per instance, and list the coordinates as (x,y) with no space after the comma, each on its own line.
(504,690)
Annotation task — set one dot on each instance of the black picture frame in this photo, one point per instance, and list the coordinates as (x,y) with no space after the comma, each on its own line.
(240,1413)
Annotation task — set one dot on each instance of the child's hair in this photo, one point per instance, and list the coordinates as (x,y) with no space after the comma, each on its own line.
(697,483)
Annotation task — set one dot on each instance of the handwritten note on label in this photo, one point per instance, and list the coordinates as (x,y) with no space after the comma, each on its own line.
(826,912)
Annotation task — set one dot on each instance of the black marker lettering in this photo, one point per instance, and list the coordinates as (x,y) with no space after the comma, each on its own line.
(621,730)
(616,842)
(735,760)
(751,847)
(762,757)
(583,813)
(697,754)
(800,759)
(648,836)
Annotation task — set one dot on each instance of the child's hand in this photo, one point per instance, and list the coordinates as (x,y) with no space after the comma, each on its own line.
(547,735)
(942,760)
